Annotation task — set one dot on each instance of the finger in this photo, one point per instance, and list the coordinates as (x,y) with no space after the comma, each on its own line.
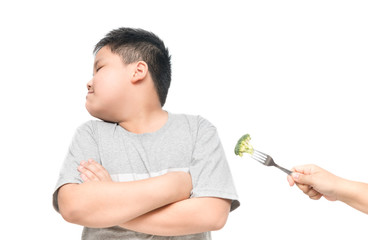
(305,188)
(94,168)
(99,171)
(91,160)
(306,169)
(96,165)
(302,178)
(316,197)
(313,194)
(87,175)
(290,180)
(84,177)
(309,191)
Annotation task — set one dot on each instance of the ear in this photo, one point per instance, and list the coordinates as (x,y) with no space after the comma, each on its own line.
(140,72)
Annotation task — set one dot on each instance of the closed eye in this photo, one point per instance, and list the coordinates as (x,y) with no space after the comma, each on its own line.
(98,68)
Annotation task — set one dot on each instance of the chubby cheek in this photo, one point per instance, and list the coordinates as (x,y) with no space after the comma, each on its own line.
(105,104)
(93,106)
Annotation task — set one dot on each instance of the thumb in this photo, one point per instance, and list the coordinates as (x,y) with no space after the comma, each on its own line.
(301,178)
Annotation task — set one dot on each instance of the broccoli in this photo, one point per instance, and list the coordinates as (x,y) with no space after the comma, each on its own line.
(243,146)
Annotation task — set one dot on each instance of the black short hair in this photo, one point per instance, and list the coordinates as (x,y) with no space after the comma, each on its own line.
(139,45)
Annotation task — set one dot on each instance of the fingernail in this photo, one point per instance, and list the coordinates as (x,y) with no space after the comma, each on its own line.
(80,168)
(90,160)
(295,175)
(83,163)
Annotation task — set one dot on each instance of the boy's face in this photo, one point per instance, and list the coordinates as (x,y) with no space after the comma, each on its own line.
(108,90)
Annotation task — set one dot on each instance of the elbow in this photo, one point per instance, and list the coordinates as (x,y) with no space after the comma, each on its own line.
(69,216)
(216,214)
(78,207)
(69,207)
(70,212)
(219,222)
(78,214)
(220,215)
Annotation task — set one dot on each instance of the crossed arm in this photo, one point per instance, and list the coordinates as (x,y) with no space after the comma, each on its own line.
(157,205)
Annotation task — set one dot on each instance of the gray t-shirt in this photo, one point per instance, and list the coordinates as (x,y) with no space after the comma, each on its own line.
(185,143)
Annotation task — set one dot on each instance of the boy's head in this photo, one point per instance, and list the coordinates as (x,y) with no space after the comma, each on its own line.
(134,45)
(131,67)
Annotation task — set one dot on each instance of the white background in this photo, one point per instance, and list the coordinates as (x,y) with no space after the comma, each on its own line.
(291,73)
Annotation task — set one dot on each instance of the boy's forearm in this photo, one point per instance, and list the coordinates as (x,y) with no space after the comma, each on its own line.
(185,217)
(355,194)
(105,204)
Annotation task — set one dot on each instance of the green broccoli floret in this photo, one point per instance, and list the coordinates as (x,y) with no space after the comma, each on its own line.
(243,146)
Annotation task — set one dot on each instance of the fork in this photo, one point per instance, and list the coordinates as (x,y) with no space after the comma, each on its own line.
(267,160)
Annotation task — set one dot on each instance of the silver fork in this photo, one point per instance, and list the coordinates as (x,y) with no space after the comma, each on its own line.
(267,160)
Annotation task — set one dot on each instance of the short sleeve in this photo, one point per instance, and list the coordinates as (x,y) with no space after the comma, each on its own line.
(83,147)
(209,169)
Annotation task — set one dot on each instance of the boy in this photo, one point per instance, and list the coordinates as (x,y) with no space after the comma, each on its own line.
(142,172)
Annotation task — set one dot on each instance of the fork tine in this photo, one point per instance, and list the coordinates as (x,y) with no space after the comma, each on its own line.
(259,153)
(259,158)
(267,160)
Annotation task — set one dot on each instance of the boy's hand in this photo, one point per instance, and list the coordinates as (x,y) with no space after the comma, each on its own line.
(92,171)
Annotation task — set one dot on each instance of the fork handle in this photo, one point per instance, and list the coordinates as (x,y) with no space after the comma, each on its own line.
(283,169)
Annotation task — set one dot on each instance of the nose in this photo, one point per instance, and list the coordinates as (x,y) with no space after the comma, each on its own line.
(89,84)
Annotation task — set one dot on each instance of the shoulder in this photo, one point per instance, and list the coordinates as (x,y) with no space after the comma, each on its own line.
(196,123)
(94,127)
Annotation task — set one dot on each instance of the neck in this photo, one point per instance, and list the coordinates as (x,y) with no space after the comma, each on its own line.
(145,121)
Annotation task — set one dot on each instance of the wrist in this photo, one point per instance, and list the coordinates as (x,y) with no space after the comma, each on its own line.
(342,187)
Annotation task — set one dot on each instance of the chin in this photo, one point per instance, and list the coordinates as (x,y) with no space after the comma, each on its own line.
(100,114)
(93,112)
